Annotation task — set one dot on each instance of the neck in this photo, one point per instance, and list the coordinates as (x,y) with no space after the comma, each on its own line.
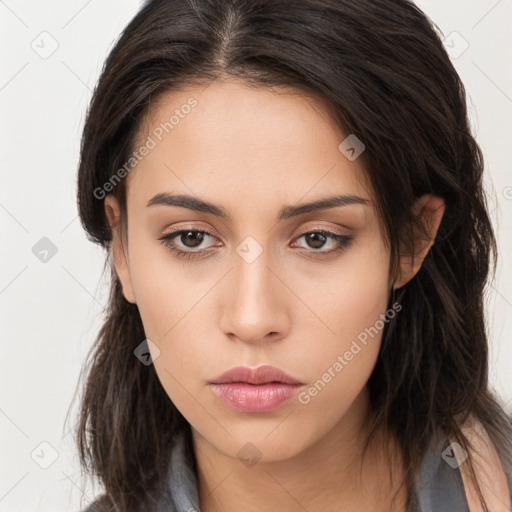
(330,474)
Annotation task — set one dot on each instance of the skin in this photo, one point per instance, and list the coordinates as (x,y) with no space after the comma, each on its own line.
(252,151)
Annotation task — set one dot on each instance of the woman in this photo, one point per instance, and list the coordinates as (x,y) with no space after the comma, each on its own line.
(291,201)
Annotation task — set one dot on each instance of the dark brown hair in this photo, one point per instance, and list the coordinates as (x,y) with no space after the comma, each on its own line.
(381,67)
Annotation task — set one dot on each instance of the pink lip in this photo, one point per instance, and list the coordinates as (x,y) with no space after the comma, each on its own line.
(261,375)
(255,390)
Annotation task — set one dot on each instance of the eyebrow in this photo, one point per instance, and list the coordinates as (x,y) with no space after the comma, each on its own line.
(198,205)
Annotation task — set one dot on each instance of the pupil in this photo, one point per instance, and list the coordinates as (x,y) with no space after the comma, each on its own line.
(195,236)
(318,239)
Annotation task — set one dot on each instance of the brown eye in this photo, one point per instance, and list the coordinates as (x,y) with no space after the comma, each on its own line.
(318,239)
(191,238)
(188,239)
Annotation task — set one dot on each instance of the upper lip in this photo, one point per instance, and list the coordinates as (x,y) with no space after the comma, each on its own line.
(261,375)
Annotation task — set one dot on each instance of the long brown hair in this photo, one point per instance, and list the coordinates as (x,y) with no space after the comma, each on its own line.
(382,69)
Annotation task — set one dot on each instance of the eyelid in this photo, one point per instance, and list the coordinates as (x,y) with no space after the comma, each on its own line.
(188,228)
(317,227)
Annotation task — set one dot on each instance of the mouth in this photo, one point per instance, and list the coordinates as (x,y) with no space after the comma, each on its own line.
(260,390)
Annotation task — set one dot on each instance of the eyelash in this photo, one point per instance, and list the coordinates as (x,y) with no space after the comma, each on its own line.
(343,242)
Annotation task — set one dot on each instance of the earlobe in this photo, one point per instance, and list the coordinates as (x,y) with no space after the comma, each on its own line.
(112,212)
(429,210)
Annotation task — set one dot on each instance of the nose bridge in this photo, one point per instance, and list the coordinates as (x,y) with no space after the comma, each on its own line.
(253,309)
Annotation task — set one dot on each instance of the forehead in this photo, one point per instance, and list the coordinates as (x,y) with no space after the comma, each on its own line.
(230,138)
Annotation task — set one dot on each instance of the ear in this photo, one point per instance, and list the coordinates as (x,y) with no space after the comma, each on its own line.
(429,210)
(121,263)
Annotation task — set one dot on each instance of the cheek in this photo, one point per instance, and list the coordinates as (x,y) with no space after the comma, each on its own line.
(352,306)
(173,321)
(159,284)
(169,299)
(349,296)
(173,315)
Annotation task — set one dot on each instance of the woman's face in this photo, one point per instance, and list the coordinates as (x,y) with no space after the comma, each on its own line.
(260,289)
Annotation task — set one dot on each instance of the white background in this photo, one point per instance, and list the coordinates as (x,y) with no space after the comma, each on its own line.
(50,312)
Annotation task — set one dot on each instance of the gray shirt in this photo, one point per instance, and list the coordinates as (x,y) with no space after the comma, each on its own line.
(438,487)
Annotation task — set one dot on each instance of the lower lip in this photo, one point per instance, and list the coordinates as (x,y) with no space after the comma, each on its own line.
(255,398)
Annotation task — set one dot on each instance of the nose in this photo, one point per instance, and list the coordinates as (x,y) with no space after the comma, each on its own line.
(254,310)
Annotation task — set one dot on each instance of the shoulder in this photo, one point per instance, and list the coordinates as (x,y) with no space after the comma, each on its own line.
(487,469)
